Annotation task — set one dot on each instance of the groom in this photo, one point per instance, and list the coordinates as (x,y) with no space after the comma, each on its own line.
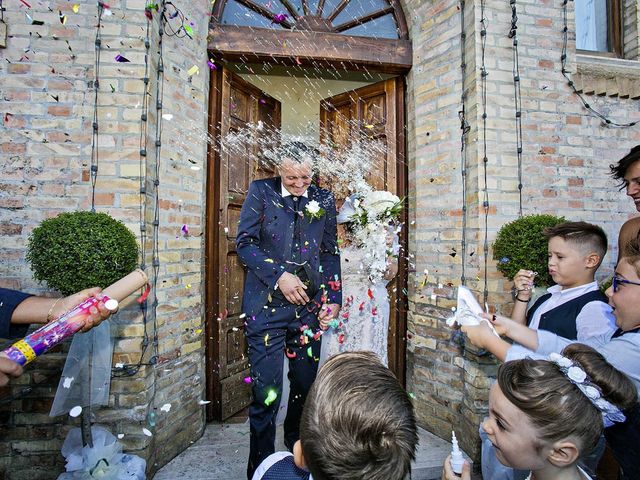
(290,249)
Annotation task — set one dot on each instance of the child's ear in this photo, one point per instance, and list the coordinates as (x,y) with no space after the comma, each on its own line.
(298,456)
(563,454)
(592,260)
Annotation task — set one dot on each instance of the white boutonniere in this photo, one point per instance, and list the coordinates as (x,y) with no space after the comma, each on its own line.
(313,210)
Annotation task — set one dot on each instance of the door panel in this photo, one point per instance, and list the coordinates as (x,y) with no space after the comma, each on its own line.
(234,105)
(376,112)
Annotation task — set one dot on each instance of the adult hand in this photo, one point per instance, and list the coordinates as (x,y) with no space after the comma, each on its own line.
(447,471)
(8,368)
(523,283)
(293,289)
(328,312)
(97,313)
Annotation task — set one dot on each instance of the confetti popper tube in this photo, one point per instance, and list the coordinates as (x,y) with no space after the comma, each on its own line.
(49,335)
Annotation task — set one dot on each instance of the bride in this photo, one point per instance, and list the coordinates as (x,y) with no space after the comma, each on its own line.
(368,261)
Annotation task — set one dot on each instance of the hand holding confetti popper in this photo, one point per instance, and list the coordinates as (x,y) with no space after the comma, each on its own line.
(49,335)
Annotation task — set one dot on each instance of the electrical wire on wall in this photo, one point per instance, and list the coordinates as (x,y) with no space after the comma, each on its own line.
(565,73)
(93,169)
(464,130)
(485,160)
(513,34)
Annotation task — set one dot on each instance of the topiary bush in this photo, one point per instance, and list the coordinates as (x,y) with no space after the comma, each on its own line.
(522,244)
(79,250)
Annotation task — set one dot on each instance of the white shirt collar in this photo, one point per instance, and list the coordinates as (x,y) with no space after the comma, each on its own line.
(286,193)
(573,292)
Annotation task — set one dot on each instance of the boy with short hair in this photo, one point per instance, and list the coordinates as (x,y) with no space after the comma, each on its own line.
(357,423)
(574,308)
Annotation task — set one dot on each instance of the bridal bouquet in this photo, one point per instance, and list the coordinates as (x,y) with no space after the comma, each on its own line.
(374,218)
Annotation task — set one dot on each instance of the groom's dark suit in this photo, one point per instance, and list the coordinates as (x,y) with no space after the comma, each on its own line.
(276,236)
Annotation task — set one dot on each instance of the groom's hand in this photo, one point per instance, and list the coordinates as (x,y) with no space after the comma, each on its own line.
(293,289)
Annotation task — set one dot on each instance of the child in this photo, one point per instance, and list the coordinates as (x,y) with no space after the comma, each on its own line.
(622,350)
(574,308)
(357,423)
(545,414)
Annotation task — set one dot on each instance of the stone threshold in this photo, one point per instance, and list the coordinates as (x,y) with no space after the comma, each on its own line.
(222,451)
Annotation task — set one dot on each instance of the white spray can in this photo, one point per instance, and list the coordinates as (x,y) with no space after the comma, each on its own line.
(457,460)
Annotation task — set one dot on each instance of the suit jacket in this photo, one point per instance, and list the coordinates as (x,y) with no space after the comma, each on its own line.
(265,237)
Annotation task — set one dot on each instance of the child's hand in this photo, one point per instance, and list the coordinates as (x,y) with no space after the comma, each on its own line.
(500,324)
(523,283)
(447,471)
(479,335)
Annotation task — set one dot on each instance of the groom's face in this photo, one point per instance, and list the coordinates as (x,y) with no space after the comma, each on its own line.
(296,177)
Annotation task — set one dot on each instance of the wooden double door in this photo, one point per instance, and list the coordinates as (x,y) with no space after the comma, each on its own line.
(375,111)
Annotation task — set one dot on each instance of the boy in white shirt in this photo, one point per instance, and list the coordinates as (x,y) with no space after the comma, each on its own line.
(574,308)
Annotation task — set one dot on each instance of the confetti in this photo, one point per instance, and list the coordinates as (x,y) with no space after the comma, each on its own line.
(119,58)
(271,397)
(266,340)
(203,402)
(211,65)
(75,8)
(280,18)
(120,436)
(309,352)
(185,229)
(147,432)
(193,71)
(31,21)
(75,411)
(67,382)
(247,380)
(165,408)
(63,18)
(188,30)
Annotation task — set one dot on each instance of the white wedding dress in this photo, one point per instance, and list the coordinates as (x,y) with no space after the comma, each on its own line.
(364,317)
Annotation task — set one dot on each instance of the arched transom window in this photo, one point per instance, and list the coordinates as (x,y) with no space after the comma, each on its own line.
(362,18)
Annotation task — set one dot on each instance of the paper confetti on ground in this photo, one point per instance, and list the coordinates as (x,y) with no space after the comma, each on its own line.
(147,432)
(165,408)
(67,382)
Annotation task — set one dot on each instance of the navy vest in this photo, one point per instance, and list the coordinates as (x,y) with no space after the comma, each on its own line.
(562,319)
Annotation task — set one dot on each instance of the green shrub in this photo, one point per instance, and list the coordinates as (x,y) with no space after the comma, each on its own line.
(521,244)
(78,250)
(605,284)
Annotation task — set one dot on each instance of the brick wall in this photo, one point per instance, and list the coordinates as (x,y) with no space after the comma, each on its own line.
(46,78)
(565,165)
